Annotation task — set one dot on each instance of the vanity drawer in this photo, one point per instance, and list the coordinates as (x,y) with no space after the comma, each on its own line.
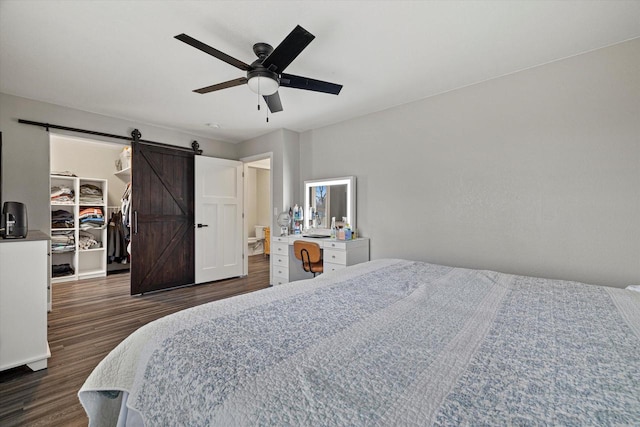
(280,249)
(279,281)
(280,275)
(335,245)
(333,256)
(281,272)
(330,266)
(280,239)
(281,260)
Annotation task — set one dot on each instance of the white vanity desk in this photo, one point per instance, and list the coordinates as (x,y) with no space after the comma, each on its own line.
(337,254)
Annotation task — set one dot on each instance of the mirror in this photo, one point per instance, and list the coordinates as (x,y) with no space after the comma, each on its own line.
(327,198)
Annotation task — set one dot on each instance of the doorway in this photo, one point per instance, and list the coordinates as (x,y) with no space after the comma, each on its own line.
(258,202)
(87,186)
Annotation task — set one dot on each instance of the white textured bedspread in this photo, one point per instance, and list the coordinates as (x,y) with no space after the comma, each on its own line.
(388,342)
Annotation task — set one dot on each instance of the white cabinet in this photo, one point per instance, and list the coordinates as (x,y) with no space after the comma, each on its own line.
(340,254)
(280,258)
(337,254)
(23,301)
(84,256)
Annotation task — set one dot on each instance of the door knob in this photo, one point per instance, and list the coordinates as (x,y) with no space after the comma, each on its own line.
(202,225)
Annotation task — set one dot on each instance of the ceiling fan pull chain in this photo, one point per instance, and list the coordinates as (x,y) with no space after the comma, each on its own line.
(264,101)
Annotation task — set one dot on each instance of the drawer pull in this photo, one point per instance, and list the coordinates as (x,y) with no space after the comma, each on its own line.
(333,256)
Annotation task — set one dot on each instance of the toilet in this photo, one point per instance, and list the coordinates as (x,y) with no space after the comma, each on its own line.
(255,245)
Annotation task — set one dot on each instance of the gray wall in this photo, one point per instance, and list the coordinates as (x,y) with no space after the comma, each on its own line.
(535,173)
(25,157)
(283,145)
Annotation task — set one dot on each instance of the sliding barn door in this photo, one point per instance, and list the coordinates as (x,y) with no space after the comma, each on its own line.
(162,223)
(219,229)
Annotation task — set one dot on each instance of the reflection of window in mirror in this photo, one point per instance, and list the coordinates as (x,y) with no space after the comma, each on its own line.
(319,204)
(327,202)
(329,198)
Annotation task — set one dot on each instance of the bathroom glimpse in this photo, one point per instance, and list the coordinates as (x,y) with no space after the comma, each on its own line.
(258,181)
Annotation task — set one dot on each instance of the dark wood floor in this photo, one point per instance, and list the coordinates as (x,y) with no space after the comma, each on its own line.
(89,318)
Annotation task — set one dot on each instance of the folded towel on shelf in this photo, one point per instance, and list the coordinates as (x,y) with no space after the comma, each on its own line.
(87,241)
(63,173)
(63,242)
(90,194)
(62,219)
(91,218)
(62,194)
(61,270)
(90,213)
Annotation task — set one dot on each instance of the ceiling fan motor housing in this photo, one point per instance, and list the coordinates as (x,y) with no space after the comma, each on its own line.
(260,71)
(262,50)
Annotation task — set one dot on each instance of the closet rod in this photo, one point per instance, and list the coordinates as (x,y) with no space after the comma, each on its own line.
(47,126)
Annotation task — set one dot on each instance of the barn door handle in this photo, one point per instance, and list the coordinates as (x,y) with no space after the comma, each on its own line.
(202,225)
(135,222)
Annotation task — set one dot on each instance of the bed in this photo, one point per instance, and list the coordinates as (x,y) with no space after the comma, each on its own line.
(387,342)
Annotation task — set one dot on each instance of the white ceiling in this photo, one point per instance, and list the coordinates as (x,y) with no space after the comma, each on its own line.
(119,58)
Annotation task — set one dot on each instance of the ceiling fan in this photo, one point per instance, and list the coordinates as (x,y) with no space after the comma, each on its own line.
(266,73)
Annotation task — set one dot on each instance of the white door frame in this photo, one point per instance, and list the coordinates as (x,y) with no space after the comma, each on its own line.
(245,160)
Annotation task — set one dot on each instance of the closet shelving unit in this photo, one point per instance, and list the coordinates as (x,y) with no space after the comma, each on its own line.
(86,263)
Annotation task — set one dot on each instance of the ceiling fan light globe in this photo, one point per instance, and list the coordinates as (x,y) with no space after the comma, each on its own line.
(263,85)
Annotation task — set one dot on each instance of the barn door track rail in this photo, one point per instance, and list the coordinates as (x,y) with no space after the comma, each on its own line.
(135,135)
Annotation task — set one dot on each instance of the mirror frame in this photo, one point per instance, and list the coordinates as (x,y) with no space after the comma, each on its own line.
(350,181)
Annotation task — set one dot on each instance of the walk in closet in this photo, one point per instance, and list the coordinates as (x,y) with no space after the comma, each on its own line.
(88,180)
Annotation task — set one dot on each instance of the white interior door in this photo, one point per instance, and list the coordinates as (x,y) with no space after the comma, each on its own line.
(218,217)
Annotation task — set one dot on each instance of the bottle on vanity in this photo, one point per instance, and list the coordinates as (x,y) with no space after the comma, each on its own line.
(348,235)
(333,227)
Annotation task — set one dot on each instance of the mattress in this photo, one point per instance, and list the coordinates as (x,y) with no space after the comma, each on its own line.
(387,342)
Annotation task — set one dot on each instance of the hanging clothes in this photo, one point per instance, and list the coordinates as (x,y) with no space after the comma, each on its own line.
(126,215)
(126,206)
(117,240)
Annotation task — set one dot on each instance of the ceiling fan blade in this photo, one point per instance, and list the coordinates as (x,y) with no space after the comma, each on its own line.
(230,83)
(273,102)
(298,82)
(288,50)
(212,51)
